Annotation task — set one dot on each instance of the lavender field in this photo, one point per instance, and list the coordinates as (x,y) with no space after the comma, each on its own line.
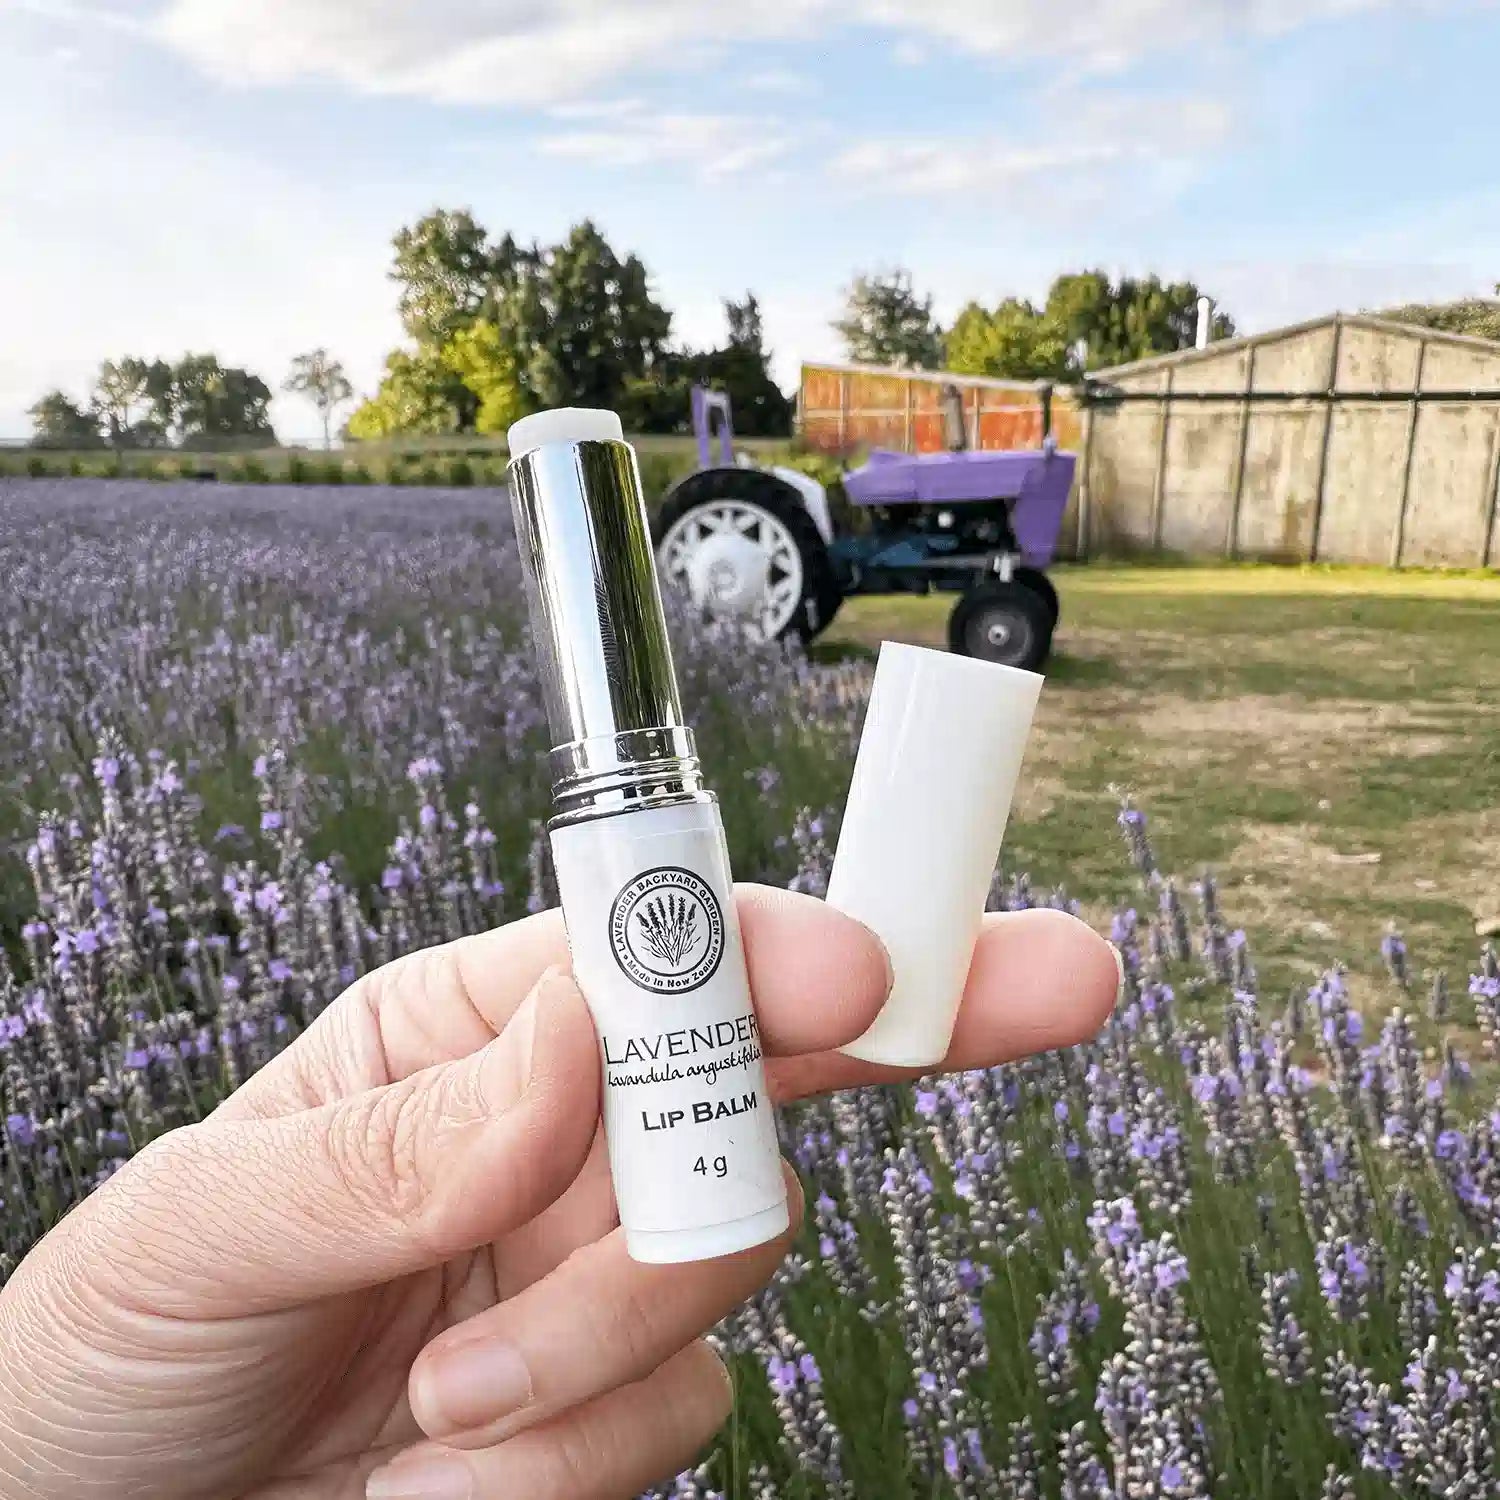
(256,741)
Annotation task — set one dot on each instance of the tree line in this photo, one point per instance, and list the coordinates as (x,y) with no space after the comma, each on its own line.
(496,328)
(196,402)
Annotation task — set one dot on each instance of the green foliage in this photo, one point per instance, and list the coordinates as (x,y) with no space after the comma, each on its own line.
(321,378)
(460,471)
(485,360)
(59,422)
(130,396)
(500,329)
(582,319)
(885,322)
(1129,320)
(218,405)
(444,267)
(1088,322)
(1016,341)
(1478,317)
(419,394)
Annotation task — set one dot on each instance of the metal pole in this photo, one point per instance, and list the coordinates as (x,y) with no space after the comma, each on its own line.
(1081,546)
(1398,536)
(1232,540)
(1159,492)
(1494,494)
(1332,388)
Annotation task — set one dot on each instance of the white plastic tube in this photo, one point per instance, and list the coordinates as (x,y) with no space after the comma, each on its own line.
(656,951)
(937,767)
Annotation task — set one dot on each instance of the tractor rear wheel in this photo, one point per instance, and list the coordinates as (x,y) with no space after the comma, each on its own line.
(743,545)
(1006,623)
(1038,582)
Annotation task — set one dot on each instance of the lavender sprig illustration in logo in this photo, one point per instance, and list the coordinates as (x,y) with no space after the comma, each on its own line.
(669,926)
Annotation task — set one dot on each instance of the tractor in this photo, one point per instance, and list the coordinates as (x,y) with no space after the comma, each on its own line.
(759,545)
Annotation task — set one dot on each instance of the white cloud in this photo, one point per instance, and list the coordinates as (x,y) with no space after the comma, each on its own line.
(192,247)
(536,51)
(713,147)
(942,167)
(1086,145)
(778,81)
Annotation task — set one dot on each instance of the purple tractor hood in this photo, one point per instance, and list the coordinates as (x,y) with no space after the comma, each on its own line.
(1037,481)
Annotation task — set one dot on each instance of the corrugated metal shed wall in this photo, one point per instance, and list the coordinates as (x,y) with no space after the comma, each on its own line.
(1310,447)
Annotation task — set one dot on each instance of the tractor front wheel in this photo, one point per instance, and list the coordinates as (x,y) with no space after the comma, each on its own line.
(1006,623)
(1039,584)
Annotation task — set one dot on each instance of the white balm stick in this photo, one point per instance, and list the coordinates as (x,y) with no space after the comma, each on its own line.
(938,760)
(642,868)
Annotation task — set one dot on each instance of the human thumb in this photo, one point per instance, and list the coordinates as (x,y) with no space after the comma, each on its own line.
(242,1216)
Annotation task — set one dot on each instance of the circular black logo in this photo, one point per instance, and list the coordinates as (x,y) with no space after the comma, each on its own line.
(666,929)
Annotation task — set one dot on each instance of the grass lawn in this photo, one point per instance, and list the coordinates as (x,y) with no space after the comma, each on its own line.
(1327,740)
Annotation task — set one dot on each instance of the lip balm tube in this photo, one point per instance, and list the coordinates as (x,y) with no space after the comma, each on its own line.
(642,867)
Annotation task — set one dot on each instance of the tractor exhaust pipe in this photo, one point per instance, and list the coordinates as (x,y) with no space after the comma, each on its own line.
(1205,321)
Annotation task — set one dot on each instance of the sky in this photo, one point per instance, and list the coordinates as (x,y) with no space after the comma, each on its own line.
(226,175)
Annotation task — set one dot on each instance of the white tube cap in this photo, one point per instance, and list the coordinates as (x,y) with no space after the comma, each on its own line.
(564,424)
(933,782)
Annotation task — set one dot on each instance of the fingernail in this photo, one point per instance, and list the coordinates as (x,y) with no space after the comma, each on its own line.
(1120,971)
(471,1385)
(428,1476)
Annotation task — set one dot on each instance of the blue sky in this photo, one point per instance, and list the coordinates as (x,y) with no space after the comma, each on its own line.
(226,175)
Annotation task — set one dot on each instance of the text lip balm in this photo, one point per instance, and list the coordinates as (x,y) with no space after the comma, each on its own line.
(642,867)
(936,770)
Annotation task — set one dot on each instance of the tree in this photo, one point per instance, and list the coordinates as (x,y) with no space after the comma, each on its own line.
(1478,317)
(1088,322)
(742,370)
(446,271)
(420,393)
(219,405)
(581,319)
(745,329)
(321,379)
(126,397)
(1133,319)
(886,323)
(57,421)
(482,358)
(1015,341)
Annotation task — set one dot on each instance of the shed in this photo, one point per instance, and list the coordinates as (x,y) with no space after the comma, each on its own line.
(1346,439)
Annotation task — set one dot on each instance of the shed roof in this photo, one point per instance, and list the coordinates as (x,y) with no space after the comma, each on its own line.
(1275,335)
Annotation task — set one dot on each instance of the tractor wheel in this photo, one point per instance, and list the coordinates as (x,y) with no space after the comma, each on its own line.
(1038,582)
(1005,623)
(742,544)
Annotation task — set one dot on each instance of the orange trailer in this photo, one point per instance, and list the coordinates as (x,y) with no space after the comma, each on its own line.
(845,407)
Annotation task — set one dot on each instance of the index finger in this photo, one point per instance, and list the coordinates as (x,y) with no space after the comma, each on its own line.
(1039,980)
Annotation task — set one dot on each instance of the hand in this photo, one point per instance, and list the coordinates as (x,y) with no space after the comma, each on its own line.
(392,1257)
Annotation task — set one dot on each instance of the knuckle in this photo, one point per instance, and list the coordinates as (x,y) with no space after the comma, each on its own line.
(624,1328)
(374,1148)
(578,1461)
